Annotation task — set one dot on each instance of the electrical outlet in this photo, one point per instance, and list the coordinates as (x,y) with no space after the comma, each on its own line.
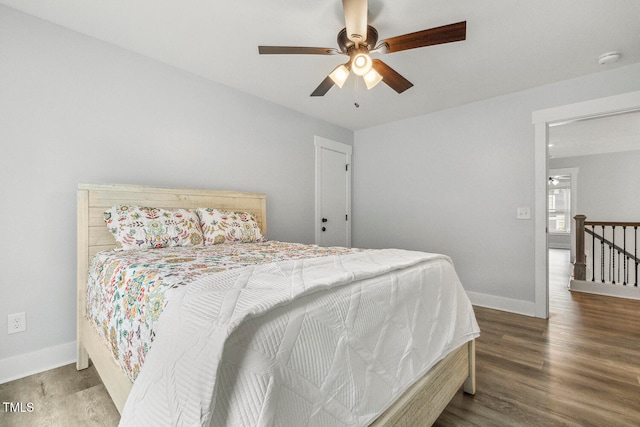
(16,322)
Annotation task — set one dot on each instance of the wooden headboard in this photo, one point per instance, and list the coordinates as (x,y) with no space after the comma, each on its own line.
(93,200)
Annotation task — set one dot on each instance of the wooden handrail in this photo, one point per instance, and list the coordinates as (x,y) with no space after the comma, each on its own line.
(610,224)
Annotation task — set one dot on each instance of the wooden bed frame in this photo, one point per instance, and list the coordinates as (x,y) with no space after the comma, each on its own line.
(421,404)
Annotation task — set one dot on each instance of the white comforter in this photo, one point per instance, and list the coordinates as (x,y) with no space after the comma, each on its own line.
(326,341)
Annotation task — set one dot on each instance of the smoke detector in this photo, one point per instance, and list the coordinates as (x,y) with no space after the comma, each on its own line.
(608,58)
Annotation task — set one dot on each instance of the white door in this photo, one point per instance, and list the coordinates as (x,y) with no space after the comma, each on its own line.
(333,193)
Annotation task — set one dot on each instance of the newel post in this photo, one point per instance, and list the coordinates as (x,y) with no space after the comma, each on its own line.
(580,266)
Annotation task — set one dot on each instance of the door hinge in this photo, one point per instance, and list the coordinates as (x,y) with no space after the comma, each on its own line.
(346,167)
(346,217)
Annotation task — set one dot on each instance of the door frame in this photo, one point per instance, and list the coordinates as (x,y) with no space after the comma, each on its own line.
(320,144)
(542,120)
(573,208)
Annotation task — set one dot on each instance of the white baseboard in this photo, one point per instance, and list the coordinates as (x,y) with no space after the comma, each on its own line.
(516,306)
(23,365)
(606,289)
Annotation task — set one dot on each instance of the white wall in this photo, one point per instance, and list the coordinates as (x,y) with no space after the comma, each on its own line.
(607,190)
(608,187)
(451,181)
(76,110)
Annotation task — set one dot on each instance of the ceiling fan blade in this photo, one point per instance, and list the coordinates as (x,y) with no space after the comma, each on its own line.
(391,77)
(433,36)
(295,50)
(355,18)
(324,87)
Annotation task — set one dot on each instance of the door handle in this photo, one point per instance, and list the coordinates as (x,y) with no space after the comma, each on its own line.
(324,219)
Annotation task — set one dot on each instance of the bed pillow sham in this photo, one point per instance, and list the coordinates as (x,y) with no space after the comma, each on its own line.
(136,227)
(220,226)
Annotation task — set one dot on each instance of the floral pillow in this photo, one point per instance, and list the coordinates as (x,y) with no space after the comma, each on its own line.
(220,226)
(136,227)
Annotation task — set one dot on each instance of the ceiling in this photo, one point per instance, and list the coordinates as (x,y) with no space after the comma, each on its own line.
(510,46)
(597,135)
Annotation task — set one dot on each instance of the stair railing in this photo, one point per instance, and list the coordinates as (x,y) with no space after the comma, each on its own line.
(618,263)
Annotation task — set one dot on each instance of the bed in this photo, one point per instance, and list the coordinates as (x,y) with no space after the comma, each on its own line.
(418,403)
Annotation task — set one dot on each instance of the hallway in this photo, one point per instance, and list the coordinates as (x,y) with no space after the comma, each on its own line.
(559,276)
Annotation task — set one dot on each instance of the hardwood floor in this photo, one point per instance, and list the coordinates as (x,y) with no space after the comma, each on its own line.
(60,397)
(579,368)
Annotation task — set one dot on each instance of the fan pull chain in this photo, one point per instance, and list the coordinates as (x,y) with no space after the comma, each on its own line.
(355,94)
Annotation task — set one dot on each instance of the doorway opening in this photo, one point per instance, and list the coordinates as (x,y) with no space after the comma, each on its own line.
(543,120)
(562,205)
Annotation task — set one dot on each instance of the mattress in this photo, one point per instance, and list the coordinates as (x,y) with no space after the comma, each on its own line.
(127,290)
(262,335)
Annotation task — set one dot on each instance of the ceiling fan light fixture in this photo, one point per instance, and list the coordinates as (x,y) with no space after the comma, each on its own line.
(361,64)
(372,78)
(358,40)
(339,75)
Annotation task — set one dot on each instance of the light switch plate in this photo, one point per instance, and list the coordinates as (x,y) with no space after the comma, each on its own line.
(523,213)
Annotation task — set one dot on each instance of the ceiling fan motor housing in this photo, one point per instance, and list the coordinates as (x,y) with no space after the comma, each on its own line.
(345,44)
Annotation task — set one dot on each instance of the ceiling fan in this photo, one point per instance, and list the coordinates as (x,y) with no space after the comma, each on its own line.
(358,40)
